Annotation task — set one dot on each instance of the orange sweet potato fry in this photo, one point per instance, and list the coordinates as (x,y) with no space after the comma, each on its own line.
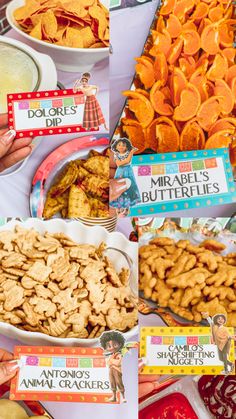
(192,136)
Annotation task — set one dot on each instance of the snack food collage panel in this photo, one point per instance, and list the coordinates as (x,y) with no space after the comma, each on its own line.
(117,209)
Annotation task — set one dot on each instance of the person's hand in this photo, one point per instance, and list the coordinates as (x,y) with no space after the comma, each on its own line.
(75,86)
(12,152)
(147,383)
(117,188)
(113,166)
(7,369)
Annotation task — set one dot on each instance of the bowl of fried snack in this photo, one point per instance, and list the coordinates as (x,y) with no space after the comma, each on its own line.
(74,33)
(79,189)
(189,279)
(61,283)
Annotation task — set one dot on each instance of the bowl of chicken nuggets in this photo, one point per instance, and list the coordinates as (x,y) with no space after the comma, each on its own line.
(75,34)
(186,279)
(62,283)
(73,183)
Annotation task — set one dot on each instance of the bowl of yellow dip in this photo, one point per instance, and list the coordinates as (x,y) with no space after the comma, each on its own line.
(22,69)
(19,73)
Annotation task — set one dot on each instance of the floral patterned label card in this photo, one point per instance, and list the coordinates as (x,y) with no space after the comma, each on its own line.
(46,113)
(160,183)
(61,374)
(186,350)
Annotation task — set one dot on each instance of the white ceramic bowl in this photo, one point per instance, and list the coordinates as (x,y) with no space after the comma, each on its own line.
(65,58)
(81,234)
(47,81)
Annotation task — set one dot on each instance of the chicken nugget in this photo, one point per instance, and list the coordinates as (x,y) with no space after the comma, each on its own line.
(213,245)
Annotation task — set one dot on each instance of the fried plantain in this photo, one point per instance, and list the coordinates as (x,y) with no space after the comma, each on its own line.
(98,165)
(78,204)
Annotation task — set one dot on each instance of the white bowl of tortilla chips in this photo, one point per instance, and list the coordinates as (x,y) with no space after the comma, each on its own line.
(23,312)
(76,37)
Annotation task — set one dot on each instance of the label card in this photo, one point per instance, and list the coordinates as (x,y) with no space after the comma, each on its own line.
(181,350)
(61,374)
(183,180)
(122,4)
(46,113)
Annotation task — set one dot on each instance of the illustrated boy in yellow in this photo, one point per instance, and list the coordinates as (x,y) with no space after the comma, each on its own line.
(113,343)
(221,338)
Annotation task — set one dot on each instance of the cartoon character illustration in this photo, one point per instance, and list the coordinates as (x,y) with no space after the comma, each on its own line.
(93,116)
(113,343)
(221,338)
(123,153)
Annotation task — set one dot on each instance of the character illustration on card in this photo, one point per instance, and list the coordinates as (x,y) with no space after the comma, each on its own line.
(113,344)
(93,116)
(122,154)
(222,339)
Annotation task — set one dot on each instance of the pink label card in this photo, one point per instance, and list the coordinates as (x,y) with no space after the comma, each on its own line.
(46,113)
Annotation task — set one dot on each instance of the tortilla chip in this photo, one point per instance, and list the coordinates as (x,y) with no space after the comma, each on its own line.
(97,45)
(49,24)
(87,37)
(73,38)
(98,14)
(75,8)
(37,31)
